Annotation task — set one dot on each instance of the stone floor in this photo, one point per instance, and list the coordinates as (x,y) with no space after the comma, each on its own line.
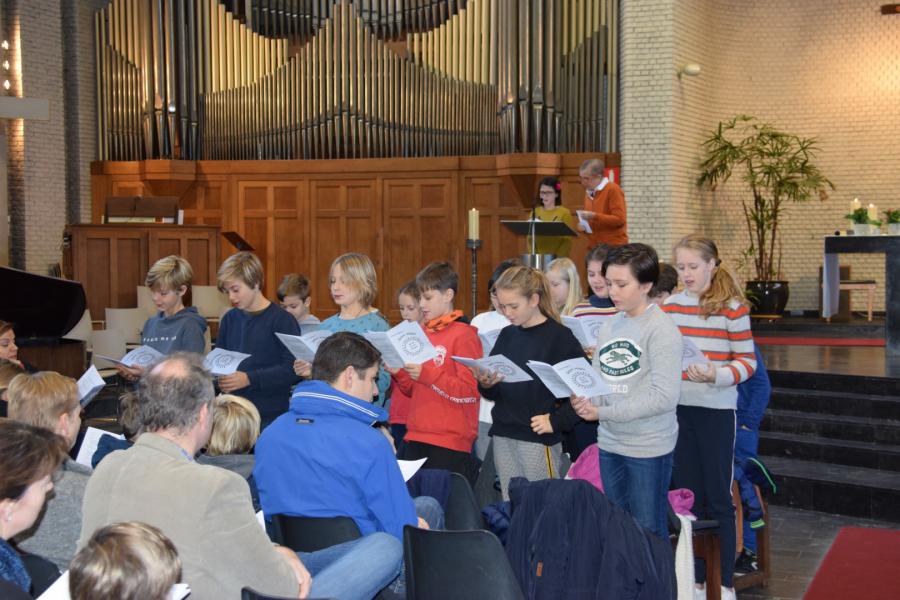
(800,540)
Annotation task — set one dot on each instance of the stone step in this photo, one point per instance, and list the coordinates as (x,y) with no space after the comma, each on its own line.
(829,382)
(842,452)
(836,489)
(839,427)
(876,406)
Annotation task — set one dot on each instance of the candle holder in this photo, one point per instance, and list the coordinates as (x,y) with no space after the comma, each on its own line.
(474,245)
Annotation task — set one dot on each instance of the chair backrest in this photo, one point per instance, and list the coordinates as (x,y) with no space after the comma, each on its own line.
(108,342)
(251,594)
(462,510)
(457,564)
(309,534)
(82,330)
(208,301)
(130,321)
(145,301)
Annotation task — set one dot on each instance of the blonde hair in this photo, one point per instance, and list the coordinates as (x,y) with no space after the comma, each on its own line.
(528,281)
(235,426)
(39,399)
(169,273)
(723,288)
(125,561)
(241,266)
(359,274)
(569,272)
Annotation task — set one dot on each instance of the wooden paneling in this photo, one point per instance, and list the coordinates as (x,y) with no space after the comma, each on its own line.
(403,213)
(111,260)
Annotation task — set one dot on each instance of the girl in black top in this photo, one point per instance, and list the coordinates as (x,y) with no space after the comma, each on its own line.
(528,419)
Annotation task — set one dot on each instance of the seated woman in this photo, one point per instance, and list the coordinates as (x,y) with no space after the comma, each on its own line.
(235,428)
(50,400)
(125,561)
(29,456)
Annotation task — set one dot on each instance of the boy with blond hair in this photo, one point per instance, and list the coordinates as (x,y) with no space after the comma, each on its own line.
(174,328)
(442,423)
(266,377)
(293,293)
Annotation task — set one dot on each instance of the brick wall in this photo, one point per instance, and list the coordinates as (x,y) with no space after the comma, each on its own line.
(826,69)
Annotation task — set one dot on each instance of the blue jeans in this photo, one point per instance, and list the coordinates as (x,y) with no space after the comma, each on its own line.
(357,569)
(640,486)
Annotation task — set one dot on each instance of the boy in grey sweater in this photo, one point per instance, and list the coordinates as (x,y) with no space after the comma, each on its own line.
(638,354)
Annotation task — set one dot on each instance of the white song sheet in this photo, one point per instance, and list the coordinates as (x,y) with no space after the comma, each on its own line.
(497,363)
(573,376)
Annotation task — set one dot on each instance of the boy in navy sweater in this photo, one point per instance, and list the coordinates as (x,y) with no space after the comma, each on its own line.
(267,376)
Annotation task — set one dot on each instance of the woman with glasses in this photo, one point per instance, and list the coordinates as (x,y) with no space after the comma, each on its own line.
(551,209)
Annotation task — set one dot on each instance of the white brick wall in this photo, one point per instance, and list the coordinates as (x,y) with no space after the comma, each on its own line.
(827,69)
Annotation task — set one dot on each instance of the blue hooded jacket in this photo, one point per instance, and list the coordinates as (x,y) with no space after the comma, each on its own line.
(322,458)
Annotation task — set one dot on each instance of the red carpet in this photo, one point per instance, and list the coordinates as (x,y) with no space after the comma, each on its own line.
(816,341)
(862,564)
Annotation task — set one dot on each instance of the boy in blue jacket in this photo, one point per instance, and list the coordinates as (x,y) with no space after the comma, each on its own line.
(324,458)
(753,398)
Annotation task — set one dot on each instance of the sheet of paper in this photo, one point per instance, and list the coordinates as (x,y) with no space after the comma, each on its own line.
(92,437)
(586,329)
(60,590)
(411,343)
(550,378)
(298,347)
(142,356)
(581,378)
(691,354)
(583,222)
(497,363)
(89,385)
(409,467)
(389,354)
(488,339)
(261,519)
(223,362)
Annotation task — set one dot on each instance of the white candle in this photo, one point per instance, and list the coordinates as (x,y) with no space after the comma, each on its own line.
(473,224)
(854,204)
(873,212)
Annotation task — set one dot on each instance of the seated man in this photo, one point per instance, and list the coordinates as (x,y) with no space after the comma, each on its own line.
(206,511)
(323,458)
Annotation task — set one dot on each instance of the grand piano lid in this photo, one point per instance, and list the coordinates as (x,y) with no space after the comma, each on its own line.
(39,305)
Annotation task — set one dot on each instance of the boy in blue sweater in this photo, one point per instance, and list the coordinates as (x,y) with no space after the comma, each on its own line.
(266,377)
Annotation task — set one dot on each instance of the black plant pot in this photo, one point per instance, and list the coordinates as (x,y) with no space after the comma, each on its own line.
(768,297)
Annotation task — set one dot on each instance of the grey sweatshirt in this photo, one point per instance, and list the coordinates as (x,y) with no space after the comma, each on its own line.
(54,534)
(640,359)
(182,332)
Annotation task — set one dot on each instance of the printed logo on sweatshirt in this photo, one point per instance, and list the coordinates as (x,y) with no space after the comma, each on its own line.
(619,358)
(441,354)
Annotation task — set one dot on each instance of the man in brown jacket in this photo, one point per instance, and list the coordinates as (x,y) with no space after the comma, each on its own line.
(206,511)
(604,206)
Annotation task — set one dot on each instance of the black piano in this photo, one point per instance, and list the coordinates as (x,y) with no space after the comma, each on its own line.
(42,309)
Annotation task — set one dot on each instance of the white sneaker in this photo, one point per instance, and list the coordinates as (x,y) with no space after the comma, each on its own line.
(728,593)
(700,592)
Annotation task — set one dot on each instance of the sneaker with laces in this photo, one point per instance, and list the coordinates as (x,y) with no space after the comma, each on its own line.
(746,562)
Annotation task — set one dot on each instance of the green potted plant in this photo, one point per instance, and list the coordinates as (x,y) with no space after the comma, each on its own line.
(862,224)
(892,218)
(777,169)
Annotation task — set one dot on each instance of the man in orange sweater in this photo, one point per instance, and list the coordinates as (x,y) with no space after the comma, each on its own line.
(604,206)
(443,415)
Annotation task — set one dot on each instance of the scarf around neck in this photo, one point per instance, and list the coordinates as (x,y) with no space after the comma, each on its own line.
(11,567)
(442,322)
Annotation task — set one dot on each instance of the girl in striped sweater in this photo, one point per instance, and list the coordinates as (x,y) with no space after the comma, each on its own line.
(711,312)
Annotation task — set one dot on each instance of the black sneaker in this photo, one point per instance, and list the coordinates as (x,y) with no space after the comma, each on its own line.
(746,563)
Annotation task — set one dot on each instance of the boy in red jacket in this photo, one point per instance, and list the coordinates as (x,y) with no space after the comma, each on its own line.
(443,416)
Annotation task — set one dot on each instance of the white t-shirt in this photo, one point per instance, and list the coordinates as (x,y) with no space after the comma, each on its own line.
(488,321)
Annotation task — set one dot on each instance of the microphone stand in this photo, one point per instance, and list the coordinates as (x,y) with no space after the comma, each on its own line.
(533,259)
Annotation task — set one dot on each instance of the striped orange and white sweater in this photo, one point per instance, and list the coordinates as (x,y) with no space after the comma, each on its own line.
(726,340)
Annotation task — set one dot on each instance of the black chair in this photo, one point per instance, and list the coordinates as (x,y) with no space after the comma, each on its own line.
(251,594)
(448,565)
(42,572)
(309,534)
(462,512)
